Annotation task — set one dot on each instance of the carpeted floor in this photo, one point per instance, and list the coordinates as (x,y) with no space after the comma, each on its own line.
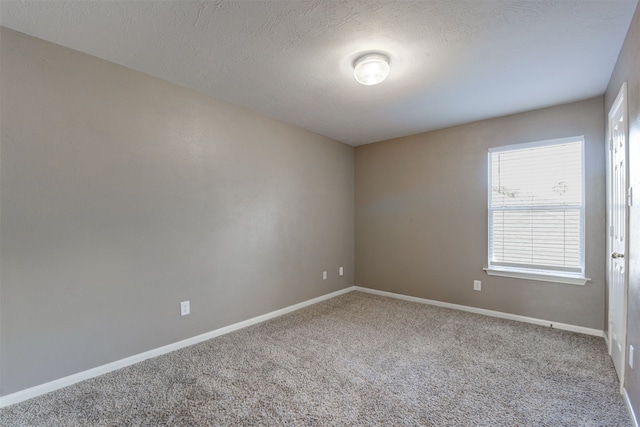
(356,359)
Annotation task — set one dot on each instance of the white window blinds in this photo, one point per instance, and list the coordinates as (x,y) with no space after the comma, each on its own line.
(536,207)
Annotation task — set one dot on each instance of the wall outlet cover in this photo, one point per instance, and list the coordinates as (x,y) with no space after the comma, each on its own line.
(185,308)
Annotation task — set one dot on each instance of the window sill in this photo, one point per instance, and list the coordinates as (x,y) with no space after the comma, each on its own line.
(569,280)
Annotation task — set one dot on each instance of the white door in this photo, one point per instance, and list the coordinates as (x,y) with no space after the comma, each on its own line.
(618,231)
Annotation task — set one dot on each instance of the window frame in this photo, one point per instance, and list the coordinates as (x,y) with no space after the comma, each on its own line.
(536,273)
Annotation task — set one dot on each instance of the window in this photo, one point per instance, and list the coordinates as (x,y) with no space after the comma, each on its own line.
(536,210)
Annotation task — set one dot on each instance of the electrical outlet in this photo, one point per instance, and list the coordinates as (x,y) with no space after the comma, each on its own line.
(184,308)
(631,356)
(341,271)
(477,285)
(324,275)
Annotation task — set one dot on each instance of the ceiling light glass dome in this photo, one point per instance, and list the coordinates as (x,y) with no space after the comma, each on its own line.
(371,69)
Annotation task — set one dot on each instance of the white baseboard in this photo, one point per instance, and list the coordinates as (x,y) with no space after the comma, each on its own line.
(492,313)
(627,401)
(41,389)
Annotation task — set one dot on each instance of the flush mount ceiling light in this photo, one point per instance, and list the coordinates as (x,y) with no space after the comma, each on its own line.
(371,69)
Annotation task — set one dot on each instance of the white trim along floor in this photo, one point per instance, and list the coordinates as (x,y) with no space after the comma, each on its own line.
(100,370)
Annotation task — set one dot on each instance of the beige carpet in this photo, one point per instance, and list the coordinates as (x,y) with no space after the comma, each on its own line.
(357,359)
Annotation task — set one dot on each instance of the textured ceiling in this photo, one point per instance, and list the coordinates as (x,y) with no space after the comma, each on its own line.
(451,61)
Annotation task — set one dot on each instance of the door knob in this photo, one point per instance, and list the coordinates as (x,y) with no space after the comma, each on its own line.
(617,255)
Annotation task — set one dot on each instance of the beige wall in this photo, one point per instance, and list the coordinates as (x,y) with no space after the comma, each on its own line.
(628,69)
(421,215)
(123,195)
